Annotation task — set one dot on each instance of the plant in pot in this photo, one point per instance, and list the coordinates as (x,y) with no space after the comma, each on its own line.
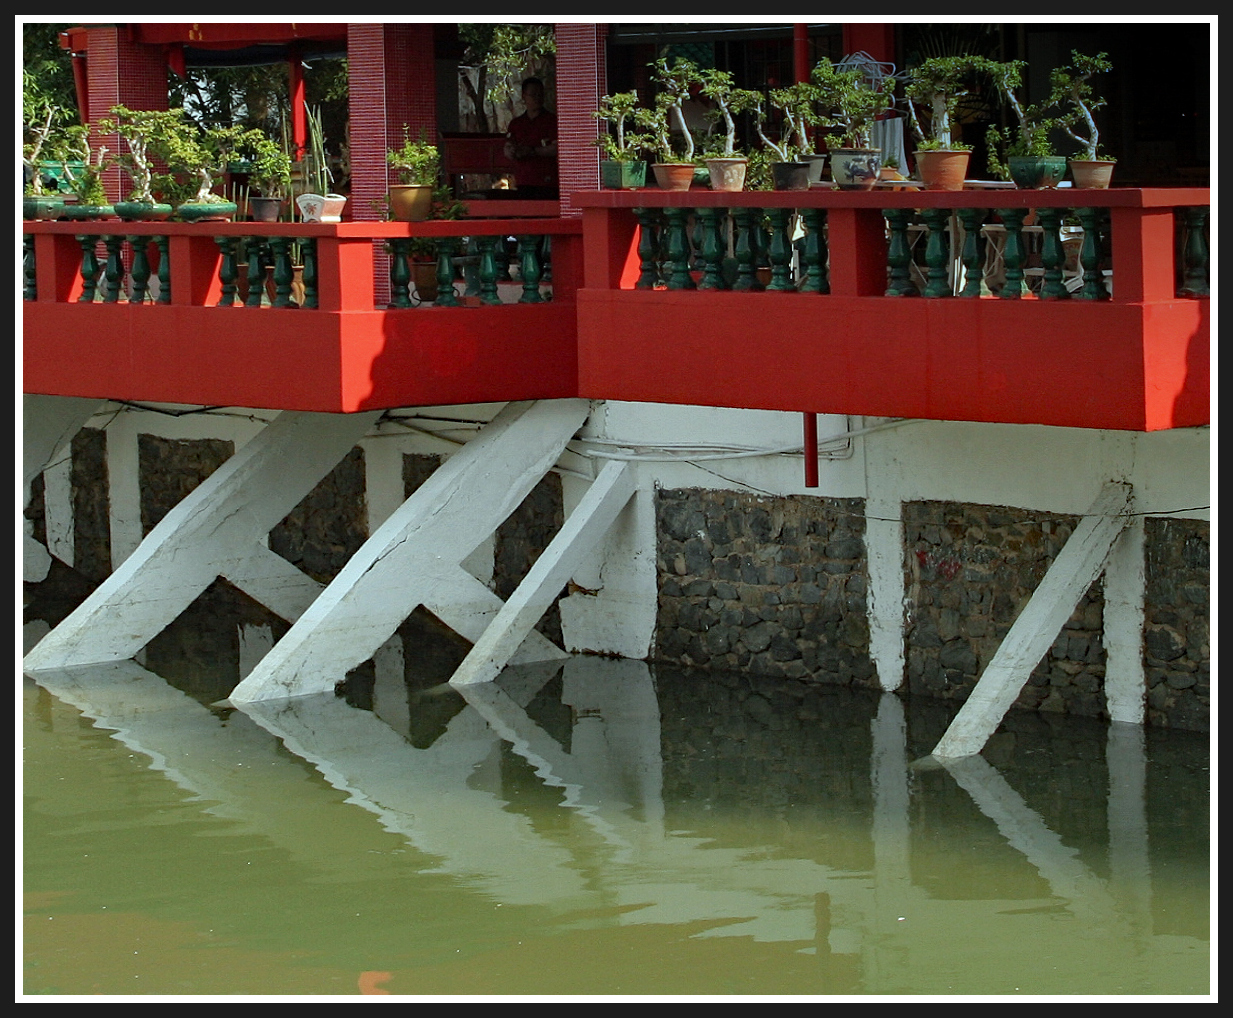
(935,89)
(726,168)
(797,105)
(269,175)
(198,157)
(138,129)
(851,101)
(1025,155)
(425,252)
(675,170)
(317,203)
(621,169)
(417,164)
(1072,86)
(83,171)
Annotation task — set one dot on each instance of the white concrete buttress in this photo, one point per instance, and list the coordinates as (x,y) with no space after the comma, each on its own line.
(415,557)
(214,531)
(1051,604)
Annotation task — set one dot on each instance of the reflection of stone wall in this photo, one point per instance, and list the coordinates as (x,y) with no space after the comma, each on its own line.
(1176,637)
(773,586)
(969,570)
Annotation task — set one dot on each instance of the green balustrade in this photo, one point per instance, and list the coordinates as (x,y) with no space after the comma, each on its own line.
(1195,256)
(974,250)
(113,271)
(899,282)
(747,224)
(90,267)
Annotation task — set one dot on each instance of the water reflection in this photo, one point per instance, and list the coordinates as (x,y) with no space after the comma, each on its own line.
(675,832)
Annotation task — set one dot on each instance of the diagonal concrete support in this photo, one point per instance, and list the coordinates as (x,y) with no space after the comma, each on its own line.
(588,522)
(48,423)
(414,557)
(1033,632)
(213,531)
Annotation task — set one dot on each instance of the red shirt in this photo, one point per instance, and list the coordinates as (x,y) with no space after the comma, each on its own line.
(537,171)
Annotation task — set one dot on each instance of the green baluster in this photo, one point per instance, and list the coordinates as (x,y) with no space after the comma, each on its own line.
(745,250)
(678,252)
(1090,255)
(1013,254)
(937,253)
(648,260)
(528,253)
(779,250)
(283,272)
(113,274)
(228,270)
(139,274)
(1195,278)
(813,257)
(31,289)
(899,255)
(164,269)
(488,293)
(308,252)
(255,255)
(1052,254)
(711,250)
(400,273)
(89,267)
(973,257)
(545,258)
(447,247)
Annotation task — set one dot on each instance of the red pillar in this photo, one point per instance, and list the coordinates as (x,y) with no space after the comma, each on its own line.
(299,113)
(878,40)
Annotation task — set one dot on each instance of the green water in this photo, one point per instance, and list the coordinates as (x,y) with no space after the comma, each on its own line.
(593,828)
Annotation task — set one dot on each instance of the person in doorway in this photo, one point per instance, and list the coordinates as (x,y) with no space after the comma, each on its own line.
(531,144)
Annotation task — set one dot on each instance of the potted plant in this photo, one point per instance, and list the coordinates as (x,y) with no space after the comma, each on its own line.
(83,172)
(417,164)
(727,168)
(138,129)
(198,157)
(1072,86)
(936,87)
(317,203)
(674,171)
(1027,155)
(621,169)
(269,175)
(851,102)
(797,106)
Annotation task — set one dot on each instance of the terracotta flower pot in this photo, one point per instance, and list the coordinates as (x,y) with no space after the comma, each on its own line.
(674,176)
(943,169)
(1092,173)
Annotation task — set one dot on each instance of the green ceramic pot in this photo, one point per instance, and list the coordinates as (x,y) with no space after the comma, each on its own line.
(200,212)
(138,211)
(1032,172)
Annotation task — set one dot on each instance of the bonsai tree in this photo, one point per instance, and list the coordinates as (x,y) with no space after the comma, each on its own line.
(417,162)
(938,86)
(851,102)
(270,175)
(797,105)
(675,82)
(1072,86)
(618,144)
(718,86)
(86,181)
(197,156)
(45,132)
(138,128)
(1034,122)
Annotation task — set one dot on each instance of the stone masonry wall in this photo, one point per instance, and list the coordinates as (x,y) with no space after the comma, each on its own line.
(770,586)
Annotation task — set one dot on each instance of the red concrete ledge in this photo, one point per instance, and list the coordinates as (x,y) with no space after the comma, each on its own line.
(1136,367)
(290,359)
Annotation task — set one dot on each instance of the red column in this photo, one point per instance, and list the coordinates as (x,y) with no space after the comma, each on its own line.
(878,40)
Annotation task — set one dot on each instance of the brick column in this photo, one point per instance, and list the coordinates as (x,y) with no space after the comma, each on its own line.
(392,82)
(122,73)
(582,77)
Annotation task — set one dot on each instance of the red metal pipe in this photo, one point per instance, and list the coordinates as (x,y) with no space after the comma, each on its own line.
(811,450)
